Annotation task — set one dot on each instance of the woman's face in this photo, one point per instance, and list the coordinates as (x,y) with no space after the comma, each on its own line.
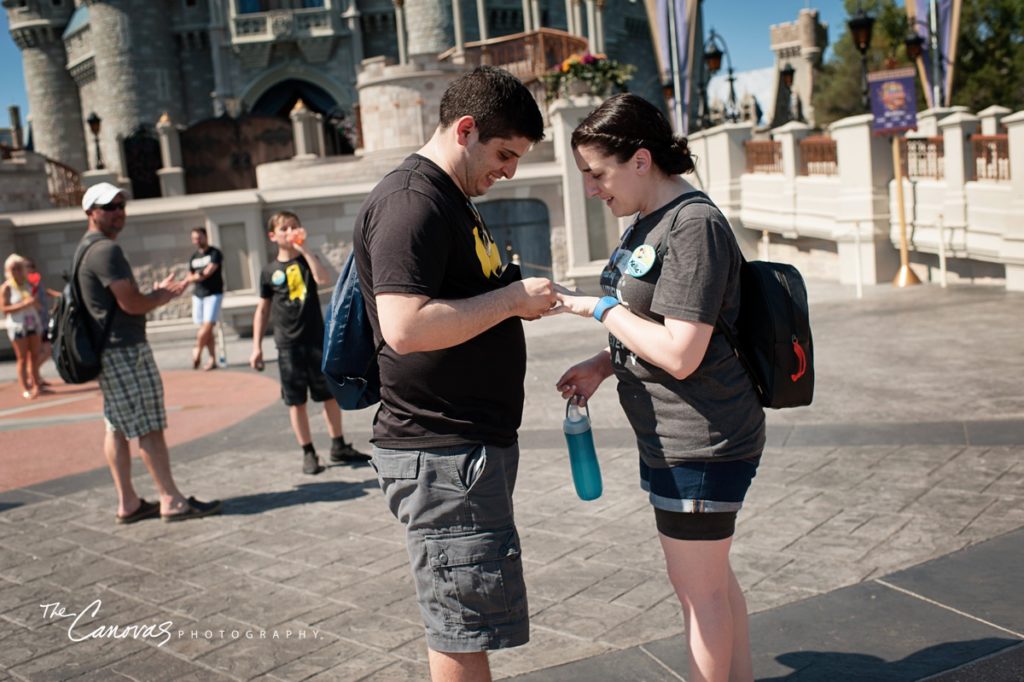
(17,273)
(617,184)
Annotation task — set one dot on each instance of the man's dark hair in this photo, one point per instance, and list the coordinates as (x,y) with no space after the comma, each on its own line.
(625,123)
(201,230)
(499,103)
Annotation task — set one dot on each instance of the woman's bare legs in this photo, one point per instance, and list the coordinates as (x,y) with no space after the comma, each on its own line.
(714,610)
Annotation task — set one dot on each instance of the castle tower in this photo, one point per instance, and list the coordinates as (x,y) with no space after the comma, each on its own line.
(799,44)
(54,109)
(135,65)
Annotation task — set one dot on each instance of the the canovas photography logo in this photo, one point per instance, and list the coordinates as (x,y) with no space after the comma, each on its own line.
(80,630)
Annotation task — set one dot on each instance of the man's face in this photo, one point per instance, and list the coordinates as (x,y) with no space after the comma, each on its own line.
(109,218)
(199,239)
(488,162)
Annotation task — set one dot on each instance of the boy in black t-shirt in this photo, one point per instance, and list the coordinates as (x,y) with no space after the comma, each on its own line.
(288,290)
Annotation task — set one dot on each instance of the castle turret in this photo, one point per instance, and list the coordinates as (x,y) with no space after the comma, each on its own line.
(54,109)
(798,48)
(135,77)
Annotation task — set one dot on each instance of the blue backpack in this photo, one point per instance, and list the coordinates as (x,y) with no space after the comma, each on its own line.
(350,358)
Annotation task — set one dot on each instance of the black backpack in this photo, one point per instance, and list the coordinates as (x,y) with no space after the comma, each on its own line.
(350,358)
(76,352)
(773,331)
(773,334)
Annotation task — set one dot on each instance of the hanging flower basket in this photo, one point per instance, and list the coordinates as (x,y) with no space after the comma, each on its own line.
(586,74)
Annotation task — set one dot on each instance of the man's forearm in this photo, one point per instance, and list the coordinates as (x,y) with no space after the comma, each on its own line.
(259,325)
(443,323)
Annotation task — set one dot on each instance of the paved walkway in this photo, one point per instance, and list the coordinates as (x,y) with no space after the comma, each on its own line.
(877,542)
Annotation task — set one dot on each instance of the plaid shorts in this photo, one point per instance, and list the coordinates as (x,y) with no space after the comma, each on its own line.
(133,393)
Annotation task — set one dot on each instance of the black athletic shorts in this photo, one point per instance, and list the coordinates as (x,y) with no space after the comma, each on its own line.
(300,374)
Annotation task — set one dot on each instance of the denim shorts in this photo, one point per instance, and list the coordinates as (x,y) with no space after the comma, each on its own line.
(456,505)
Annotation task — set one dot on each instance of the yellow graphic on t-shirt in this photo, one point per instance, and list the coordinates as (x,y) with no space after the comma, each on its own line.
(296,284)
(487,252)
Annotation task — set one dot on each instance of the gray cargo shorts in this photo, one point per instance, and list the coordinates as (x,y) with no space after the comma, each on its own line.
(456,505)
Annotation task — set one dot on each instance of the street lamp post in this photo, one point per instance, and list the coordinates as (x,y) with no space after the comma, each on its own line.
(94,125)
(714,49)
(860,28)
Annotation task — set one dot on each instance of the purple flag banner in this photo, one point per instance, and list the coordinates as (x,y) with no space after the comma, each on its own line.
(683,38)
(893,101)
(946,20)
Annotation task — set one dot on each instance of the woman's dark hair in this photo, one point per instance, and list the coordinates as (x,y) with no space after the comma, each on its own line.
(625,123)
(499,103)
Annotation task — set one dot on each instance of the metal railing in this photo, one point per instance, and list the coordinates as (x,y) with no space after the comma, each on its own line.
(923,157)
(818,156)
(64,184)
(991,154)
(526,55)
(763,156)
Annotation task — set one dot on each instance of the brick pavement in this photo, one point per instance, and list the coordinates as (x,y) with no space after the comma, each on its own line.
(912,450)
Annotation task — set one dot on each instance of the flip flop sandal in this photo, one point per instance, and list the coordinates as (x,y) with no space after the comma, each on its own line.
(146,510)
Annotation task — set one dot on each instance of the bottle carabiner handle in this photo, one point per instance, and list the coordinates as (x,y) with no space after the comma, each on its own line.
(570,402)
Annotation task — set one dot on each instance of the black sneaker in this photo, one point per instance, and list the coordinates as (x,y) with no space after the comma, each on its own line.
(311,464)
(346,453)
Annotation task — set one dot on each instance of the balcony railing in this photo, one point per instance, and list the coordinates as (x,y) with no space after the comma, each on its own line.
(923,157)
(526,55)
(281,25)
(64,184)
(818,156)
(763,156)
(991,157)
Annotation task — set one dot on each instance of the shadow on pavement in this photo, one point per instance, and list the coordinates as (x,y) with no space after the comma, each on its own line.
(305,493)
(836,665)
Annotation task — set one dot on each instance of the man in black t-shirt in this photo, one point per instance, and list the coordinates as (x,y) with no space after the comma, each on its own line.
(445,441)
(204,272)
(288,291)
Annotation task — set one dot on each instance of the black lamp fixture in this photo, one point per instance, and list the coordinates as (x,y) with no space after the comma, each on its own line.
(94,122)
(714,49)
(914,43)
(860,29)
(787,73)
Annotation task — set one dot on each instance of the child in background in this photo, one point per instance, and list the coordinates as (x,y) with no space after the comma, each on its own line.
(44,295)
(288,290)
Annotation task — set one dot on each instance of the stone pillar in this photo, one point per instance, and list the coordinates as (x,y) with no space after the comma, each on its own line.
(172,175)
(428,24)
(534,15)
(460,43)
(481,19)
(928,120)
(570,24)
(992,118)
(526,17)
(577,17)
(721,161)
(1012,250)
(565,115)
(403,49)
(599,23)
(862,207)
(351,17)
(958,166)
(591,25)
(304,131)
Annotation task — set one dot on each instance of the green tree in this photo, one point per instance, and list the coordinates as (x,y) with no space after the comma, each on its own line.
(989,62)
(990,56)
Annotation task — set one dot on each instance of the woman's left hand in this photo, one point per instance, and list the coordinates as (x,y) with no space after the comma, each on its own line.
(570,302)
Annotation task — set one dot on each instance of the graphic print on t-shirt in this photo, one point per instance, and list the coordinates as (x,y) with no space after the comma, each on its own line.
(487,252)
(198,264)
(611,284)
(296,283)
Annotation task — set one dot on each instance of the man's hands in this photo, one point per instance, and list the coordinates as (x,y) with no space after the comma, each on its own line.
(169,288)
(256,359)
(534,297)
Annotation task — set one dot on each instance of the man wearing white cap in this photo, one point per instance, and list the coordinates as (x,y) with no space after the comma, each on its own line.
(133,394)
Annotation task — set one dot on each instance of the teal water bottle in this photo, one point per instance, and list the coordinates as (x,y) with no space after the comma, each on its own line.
(586,474)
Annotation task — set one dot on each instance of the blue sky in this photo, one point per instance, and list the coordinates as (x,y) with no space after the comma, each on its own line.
(742,23)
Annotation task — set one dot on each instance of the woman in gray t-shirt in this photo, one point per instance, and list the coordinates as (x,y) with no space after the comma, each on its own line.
(699,424)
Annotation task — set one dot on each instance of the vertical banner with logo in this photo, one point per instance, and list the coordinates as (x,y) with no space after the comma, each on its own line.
(893,101)
(894,110)
(687,27)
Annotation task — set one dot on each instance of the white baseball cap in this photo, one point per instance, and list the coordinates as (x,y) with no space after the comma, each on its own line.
(100,195)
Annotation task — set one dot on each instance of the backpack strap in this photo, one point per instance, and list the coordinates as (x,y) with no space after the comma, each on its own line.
(76,290)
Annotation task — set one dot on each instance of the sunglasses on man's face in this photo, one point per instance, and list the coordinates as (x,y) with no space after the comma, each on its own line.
(112,206)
